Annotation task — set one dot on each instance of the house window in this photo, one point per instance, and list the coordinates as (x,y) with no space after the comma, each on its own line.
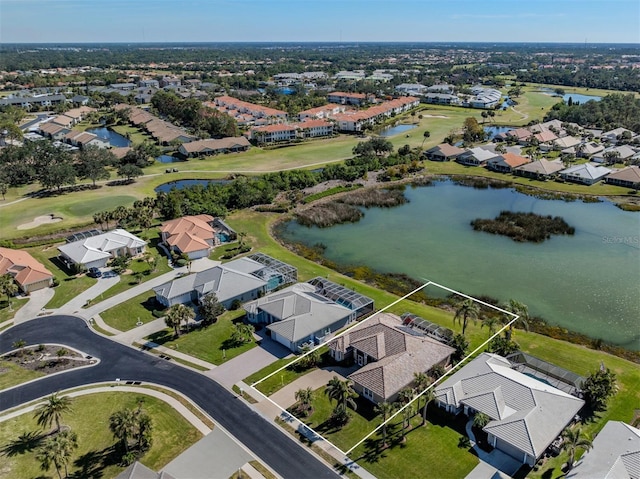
(368,393)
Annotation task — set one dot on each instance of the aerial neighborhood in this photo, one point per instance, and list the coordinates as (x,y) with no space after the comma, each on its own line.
(206,246)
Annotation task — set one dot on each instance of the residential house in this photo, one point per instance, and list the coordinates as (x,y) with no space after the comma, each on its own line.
(613,136)
(506,162)
(195,236)
(242,279)
(413,89)
(614,154)
(484,97)
(95,251)
(80,100)
(168,81)
(355,121)
(585,173)
(389,354)
(343,98)
(36,100)
(123,86)
(565,142)
(259,114)
(443,152)
(441,88)
(589,149)
(28,273)
(519,135)
(53,130)
(84,138)
(476,156)
(526,414)
(137,470)
(628,177)
(615,454)
(441,99)
(321,112)
(315,128)
(149,83)
(273,133)
(307,313)
(540,169)
(214,147)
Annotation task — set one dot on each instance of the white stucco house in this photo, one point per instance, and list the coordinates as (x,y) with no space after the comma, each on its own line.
(95,251)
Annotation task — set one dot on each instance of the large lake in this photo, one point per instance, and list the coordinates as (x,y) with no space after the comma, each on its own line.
(589,282)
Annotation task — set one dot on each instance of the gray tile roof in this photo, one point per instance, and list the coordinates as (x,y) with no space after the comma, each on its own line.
(397,353)
(138,470)
(615,454)
(526,413)
(100,246)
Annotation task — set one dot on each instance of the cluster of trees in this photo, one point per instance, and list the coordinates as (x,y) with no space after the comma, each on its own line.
(133,429)
(618,79)
(521,226)
(54,167)
(190,112)
(612,111)
(141,214)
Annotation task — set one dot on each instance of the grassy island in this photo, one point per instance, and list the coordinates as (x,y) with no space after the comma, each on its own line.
(524,226)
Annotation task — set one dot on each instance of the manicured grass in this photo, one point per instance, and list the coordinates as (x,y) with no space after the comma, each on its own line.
(278,380)
(94,457)
(135,135)
(329,192)
(12,374)
(125,315)
(16,304)
(211,343)
(70,285)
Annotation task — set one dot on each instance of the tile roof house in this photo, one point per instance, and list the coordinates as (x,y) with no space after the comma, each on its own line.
(443,152)
(476,156)
(615,454)
(195,236)
(389,354)
(539,169)
(242,279)
(619,153)
(628,177)
(585,173)
(507,162)
(96,251)
(307,313)
(527,415)
(29,274)
(214,146)
(137,470)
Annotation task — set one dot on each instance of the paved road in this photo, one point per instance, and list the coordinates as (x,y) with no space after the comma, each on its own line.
(280,452)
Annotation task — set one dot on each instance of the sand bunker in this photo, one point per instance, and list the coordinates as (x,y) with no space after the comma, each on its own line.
(39,221)
(435,116)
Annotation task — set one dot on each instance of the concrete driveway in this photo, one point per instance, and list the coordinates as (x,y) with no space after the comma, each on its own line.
(238,368)
(76,304)
(34,306)
(286,396)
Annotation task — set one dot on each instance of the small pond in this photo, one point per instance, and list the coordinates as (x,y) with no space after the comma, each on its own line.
(168,159)
(492,131)
(114,139)
(395,130)
(179,184)
(576,97)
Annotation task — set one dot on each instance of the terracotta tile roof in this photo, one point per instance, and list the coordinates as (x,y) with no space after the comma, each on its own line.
(189,233)
(220,144)
(360,96)
(514,160)
(24,268)
(314,124)
(275,128)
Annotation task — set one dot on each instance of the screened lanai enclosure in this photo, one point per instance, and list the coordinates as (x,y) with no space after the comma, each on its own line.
(427,328)
(548,373)
(350,299)
(276,272)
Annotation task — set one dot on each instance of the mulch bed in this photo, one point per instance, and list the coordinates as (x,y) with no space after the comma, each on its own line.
(45,359)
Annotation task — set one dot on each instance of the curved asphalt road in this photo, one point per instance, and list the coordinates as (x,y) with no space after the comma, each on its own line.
(284,455)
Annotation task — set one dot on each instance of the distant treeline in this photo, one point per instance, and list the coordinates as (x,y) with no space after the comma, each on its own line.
(613,111)
(524,226)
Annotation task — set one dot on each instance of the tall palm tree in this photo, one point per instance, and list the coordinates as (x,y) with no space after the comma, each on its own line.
(574,439)
(407,413)
(178,314)
(57,451)
(522,311)
(8,286)
(123,425)
(52,410)
(384,409)
(422,382)
(466,310)
(341,392)
(480,420)
(304,398)
(425,135)
(491,323)
(405,396)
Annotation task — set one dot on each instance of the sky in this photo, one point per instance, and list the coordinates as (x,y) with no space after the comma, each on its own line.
(83,21)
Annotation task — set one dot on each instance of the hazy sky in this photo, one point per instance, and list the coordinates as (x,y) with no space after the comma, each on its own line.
(577,21)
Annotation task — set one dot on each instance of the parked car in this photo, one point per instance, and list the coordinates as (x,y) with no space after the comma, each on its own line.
(94,273)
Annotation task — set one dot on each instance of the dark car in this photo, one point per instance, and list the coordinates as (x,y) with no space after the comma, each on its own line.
(95,273)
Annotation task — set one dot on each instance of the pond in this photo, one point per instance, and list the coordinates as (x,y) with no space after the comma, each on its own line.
(396,130)
(179,184)
(492,131)
(576,97)
(587,282)
(114,139)
(168,159)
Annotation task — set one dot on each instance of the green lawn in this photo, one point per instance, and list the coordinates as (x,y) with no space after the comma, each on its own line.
(94,457)
(11,374)
(135,135)
(70,285)
(125,316)
(6,313)
(211,344)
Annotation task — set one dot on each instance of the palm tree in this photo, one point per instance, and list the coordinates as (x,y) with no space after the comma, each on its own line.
(467,310)
(242,333)
(480,420)
(304,398)
(178,314)
(425,135)
(341,392)
(522,311)
(384,409)
(52,410)
(574,439)
(8,286)
(50,453)
(422,382)
(407,413)
(123,424)
(491,323)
